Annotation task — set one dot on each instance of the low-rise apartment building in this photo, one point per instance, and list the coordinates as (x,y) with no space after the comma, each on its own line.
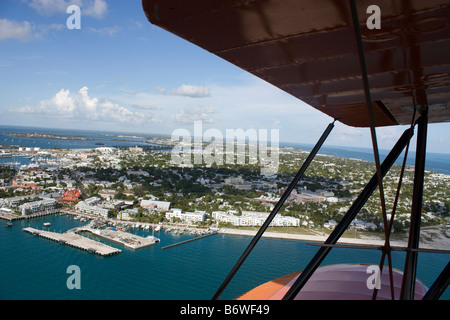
(252,218)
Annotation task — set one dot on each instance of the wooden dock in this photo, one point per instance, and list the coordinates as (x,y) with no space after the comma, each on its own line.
(72,239)
(189,240)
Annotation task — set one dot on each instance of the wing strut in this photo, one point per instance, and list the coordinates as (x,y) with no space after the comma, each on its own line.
(365,79)
(275,210)
(439,286)
(409,275)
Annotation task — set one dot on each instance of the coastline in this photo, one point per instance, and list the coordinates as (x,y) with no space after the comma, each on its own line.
(431,237)
(439,242)
(309,238)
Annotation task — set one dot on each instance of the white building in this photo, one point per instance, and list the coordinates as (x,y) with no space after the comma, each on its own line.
(196,216)
(128,214)
(82,206)
(252,218)
(14,201)
(38,206)
(153,204)
(238,183)
(325,193)
(358,224)
(92,201)
(106,149)
(107,194)
(332,199)
(309,196)
(330,224)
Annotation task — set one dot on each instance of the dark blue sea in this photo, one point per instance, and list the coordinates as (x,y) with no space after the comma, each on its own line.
(36,268)
(436,162)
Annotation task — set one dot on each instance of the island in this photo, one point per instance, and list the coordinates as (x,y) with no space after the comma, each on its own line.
(139,185)
(37,135)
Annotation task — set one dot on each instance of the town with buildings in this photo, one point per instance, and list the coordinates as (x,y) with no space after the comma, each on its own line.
(134,184)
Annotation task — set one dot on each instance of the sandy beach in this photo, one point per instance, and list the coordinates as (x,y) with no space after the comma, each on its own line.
(432,238)
(304,237)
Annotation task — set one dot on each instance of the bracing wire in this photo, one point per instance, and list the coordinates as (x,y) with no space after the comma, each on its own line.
(394,207)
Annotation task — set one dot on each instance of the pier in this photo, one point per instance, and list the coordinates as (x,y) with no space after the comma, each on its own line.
(186,241)
(127,239)
(72,239)
(12,217)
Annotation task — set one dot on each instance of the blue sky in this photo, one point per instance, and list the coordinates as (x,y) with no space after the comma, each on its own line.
(120,73)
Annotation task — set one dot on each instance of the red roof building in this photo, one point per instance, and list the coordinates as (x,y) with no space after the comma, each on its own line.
(71,196)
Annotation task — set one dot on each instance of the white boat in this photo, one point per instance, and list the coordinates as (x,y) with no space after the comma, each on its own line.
(47,224)
(153,238)
(158,228)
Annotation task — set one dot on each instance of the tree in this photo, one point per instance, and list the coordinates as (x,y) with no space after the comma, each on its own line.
(112,213)
(120,195)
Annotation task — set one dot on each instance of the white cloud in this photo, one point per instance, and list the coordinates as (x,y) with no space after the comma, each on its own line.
(189,115)
(15,30)
(89,104)
(191,91)
(97,9)
(92,8)
(144,107)
(160,90)
(64,103)
(276,124)
(109,31)
(80,106)
(25,30)
(346,135)
(48,7)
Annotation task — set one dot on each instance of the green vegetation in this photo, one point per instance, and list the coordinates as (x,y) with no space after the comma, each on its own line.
(150,174)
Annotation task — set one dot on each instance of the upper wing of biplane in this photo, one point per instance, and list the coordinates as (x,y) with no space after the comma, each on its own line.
(308,49)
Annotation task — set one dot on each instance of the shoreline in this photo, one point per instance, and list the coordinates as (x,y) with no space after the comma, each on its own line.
(431,237)
(309,238)
(440,243)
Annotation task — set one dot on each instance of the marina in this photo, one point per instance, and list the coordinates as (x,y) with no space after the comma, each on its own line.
(72,239)
(127,239)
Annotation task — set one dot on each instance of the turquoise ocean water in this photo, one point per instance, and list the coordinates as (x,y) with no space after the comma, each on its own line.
(36,268)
